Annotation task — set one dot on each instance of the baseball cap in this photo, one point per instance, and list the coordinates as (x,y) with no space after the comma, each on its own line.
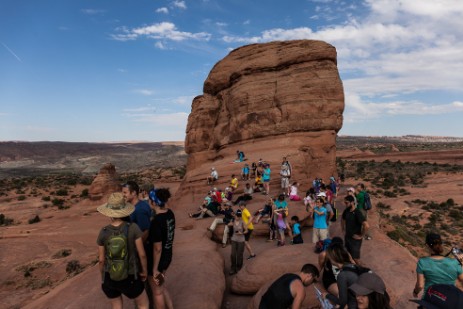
(321,194)
(441,296)
(238,213)
(368,283)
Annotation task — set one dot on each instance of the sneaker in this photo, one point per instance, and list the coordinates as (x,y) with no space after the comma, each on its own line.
(251,256)
(270,240)
(367,237)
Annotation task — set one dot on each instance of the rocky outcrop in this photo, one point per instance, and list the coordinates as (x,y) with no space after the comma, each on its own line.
(283,96)
(104,183)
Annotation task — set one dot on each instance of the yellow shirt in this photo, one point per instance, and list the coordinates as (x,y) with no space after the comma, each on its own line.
(234,183)
(246,216)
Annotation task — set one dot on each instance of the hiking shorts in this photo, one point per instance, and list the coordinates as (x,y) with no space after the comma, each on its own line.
(130,287)
(353,246)
(284,182)
(248,235)
(319,234)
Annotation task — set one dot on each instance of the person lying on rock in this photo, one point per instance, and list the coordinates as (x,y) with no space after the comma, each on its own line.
(288,291)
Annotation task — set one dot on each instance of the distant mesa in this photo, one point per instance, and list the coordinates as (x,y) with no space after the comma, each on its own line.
(104,183)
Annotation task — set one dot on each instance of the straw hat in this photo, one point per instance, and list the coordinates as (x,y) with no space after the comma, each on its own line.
(116,207)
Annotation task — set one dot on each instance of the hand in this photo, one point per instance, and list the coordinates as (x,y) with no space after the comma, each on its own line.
(158,278)
(357,237)
(415,294)
(143,275)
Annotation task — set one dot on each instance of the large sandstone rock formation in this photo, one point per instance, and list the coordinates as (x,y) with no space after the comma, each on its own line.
(281,96)
(104,183)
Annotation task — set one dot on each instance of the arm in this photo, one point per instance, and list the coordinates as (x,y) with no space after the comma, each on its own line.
(365,227)
(101,258)
(419,284)
(144,236)
(298,292)
(343,225)
(142,255)
(157,250)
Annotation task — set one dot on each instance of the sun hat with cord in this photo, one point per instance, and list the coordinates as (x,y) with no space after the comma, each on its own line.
(116,207)
(368,283)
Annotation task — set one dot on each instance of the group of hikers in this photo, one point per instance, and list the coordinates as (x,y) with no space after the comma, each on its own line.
(135,248)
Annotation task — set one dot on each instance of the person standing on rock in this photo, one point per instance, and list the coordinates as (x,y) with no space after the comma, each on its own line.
(161,240)
(360,197)
(354,226)
(266,178)
(121,233)
(237,242)
(288,291)
(247,219)
(286,162)
(285,174)
(320,225)
(142,214)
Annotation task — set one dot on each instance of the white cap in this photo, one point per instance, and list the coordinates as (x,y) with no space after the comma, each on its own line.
(321,194)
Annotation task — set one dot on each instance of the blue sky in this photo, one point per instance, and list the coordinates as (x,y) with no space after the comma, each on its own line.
(96,71)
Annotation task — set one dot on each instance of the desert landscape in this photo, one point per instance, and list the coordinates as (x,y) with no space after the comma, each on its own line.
(255,100)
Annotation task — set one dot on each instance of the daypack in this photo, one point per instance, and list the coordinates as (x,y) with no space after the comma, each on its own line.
(356,269)
(117,254)
(321,245)
(367,205)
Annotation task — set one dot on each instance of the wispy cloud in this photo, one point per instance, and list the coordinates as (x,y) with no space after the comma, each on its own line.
(163,10)
(12,52)
(160,45)
(145,92)
(120,70)
(164,30)
(93,11)
(131,112)
(179,4)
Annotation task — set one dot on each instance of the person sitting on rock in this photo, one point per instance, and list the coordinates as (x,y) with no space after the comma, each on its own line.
(253,169)
(266,211)
(258,184)
(228,194)
(330,272)
(288,291)
(293,196)
(213,177)
(233,183)
(297,235)
(247,195)
(210,210)
(245,172)
(228,216)
(370,292)
(239,156)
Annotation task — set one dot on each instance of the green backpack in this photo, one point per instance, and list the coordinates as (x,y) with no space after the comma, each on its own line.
(117,254)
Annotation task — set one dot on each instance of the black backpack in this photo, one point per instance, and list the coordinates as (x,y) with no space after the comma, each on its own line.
(367,205)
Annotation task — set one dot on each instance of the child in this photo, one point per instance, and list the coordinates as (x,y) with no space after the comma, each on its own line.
(245,172)
(266,211)
(233,183)
(293,192)
(297,236)
(258,184)
(281,225)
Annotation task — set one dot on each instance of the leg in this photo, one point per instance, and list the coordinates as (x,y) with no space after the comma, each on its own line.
(225,235)
(142,301)
(116,303)
(323,234)
(168,299)
(239,255)
(214,223)
(158,294)
(234,251)
(315,235)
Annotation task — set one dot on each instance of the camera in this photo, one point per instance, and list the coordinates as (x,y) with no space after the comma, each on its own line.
(456,252)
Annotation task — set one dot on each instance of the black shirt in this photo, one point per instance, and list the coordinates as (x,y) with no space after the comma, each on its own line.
(278,295)
(354,220)
(162,229)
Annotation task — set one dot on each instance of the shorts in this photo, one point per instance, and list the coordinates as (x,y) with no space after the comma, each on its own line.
(266,180)
(319,234)
(353,246)
(328,279)
(248,235)
(284,182)
(130,287)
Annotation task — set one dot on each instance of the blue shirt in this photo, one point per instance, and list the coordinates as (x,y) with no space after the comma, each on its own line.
(319,221)
(444,271)
(266,174)
(281,204)
(296,229)
(142,215)
(245,170)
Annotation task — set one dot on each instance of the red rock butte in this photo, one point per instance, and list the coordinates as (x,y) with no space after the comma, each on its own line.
(284,97)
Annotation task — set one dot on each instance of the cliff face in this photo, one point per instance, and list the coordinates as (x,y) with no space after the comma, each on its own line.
(270,92)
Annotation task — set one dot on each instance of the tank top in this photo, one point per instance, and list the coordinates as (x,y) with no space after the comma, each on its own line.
(278,295)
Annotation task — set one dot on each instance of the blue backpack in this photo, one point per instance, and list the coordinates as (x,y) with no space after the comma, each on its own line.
(367,205)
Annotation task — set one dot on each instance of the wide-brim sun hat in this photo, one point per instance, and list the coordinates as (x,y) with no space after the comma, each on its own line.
(116,207)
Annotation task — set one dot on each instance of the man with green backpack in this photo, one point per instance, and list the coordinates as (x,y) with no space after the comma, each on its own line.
(120,251)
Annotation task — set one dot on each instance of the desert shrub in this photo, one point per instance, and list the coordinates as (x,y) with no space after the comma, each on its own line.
(450,202)
(394,235)
(46,198)
(57,202)
(381,205)
(36,219)
(21,198)
(62,253)
(19,191)
(62,192)
(86,181)
(5,220)
(73,267)
(71,182)
(84,193)
(389,194)
(455,214)
(418,201)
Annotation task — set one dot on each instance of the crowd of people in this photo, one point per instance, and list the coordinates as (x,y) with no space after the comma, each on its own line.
(135,249)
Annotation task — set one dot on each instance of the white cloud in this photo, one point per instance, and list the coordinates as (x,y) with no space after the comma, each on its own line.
(163,30)
(180,4)
(221,24)
(183,100)
(120,70)
(160,45)
(246,22)
(145,92)
(93,11)
(163,10)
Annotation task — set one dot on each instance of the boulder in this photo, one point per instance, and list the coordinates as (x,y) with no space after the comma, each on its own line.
(105,182)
